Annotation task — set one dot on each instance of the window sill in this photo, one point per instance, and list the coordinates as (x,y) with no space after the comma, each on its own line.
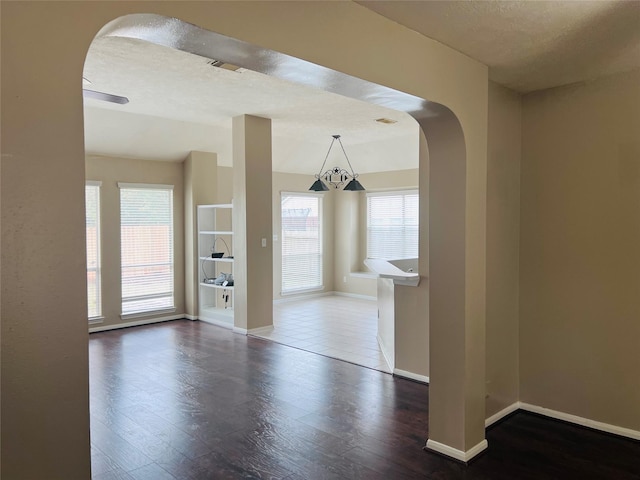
(95,320)
(151,313)
(301,291)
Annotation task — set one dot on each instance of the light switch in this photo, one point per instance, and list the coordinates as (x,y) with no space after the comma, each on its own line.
(264,242)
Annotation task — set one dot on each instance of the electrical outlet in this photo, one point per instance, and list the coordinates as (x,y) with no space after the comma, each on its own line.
(344,279)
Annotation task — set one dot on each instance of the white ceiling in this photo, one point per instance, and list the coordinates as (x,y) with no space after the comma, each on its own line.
(530,45)
(180,103)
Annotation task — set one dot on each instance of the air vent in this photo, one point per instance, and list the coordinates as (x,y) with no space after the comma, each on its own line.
(221,64)
(386,120)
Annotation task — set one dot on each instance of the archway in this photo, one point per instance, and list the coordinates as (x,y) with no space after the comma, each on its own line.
(440,301)
(51,374)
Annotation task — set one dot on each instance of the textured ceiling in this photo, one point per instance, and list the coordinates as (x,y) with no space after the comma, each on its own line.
(179,102)
(530,45)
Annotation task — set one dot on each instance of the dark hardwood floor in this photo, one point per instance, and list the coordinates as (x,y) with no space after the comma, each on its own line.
(187,400)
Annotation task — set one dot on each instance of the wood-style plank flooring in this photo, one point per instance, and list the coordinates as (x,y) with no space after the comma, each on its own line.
(186,400)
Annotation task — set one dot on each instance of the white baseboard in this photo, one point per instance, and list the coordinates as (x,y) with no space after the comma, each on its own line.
(136,323)
(585,422)
(190,317)
(260,330)
(501,414)
(218,323)
(302,296)
(241,331)
(355,295)
(411,376)
(455,453)
(390,361)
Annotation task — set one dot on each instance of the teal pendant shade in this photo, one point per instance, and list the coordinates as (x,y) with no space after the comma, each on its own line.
(336,176)
(319,186)
(354,186)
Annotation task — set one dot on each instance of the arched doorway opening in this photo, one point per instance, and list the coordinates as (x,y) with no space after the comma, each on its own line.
(440,314)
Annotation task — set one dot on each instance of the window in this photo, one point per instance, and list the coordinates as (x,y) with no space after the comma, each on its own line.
(94,291)
(146,248)
(392,225)
(301,242)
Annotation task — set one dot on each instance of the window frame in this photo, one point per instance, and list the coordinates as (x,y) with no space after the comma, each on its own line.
(320,286)
(391,193)
(98,317)
(122,186)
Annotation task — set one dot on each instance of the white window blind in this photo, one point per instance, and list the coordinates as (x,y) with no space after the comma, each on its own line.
(146,234)
(392,225)
(94,290)
(301,242)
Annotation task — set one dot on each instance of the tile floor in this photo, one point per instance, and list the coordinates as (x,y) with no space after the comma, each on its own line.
(339,327)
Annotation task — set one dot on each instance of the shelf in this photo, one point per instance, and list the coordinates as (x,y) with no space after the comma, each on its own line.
(214,232)
(213,285)
(223,259)
(222,205)
(214,222)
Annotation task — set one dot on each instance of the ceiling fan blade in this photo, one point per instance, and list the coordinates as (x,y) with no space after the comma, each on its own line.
(105,97)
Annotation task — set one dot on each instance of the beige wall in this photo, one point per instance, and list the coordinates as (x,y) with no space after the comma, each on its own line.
(503,240)
(110,171)
(579,250)
(200,172)
(43,179)
(225,185)
(348,224)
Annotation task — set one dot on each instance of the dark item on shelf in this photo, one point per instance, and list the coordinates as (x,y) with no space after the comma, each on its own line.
(224,279)
(217,254)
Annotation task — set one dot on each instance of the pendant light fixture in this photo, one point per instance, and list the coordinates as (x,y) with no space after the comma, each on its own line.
(336,176)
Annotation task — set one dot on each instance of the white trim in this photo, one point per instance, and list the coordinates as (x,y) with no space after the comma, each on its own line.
(303,296)
(241,331)
(302,291)
(94,320)
(93,183)
(386,193)
(390,363)
(127,316)
(355,295)
(455,453)
(501,414)
(306,193)
(227,323)
(153,186)
(585,422)
(137,323)
(411,375)
(260,330)
(291,298)
(216,205)
(190,317)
